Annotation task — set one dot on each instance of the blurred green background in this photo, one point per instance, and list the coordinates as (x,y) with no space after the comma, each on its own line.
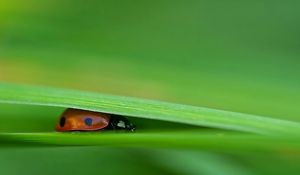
(234,55)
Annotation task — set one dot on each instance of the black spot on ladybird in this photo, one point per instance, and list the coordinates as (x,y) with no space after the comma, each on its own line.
(88,121)
(62,122)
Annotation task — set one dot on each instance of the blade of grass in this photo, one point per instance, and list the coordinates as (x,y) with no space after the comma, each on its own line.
(192,140)
(200,116)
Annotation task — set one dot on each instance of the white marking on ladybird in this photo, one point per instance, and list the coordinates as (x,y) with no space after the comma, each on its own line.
(121,124)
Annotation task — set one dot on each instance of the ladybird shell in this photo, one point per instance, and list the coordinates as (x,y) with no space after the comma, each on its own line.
(81,120)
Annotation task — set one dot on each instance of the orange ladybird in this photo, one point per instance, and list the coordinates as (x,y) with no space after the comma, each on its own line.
(82,120)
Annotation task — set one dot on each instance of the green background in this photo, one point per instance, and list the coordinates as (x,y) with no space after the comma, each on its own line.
(240,56)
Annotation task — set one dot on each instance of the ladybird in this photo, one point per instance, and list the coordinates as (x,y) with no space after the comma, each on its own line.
(82,120)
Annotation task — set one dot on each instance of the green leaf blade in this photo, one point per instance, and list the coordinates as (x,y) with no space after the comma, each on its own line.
(150,109)
(214,141)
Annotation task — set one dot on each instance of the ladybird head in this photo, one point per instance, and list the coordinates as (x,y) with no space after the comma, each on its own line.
(121,123)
